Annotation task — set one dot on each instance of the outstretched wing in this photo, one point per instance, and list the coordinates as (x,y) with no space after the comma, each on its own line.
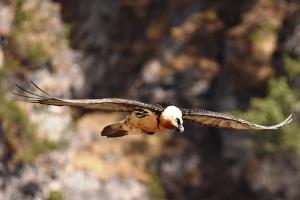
(108,104)
(226,121)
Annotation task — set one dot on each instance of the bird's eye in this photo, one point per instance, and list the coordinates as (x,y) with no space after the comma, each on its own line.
(178,121)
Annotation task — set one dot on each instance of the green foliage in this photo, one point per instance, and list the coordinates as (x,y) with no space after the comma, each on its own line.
(10,65)
(35,38)
(263,31)
(155,188)
(21,15)
(36,35)
(275,107)
(292,66)
(19,133)
(55,195)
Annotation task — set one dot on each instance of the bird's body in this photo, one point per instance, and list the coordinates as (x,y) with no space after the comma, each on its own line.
(145,118)
(139,122)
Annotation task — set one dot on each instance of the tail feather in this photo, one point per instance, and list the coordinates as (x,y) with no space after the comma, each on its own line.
(114,130)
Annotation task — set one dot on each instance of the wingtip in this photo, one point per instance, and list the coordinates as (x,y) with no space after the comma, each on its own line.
(290,118)
(285,122)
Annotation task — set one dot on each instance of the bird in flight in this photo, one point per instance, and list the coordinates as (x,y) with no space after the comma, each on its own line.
(143,118)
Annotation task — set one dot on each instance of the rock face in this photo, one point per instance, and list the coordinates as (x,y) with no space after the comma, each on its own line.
(6,18)
(90,187)
(1,58)
(204,54)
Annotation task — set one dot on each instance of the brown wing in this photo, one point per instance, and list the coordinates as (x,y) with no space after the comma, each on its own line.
(226,121)
(108,104)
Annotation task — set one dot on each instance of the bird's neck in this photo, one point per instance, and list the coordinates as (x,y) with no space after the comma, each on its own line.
(166,123)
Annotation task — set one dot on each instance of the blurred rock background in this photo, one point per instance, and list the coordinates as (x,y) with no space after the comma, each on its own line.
(241,57)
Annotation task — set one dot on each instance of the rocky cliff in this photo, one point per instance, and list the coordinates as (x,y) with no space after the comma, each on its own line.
(228,56)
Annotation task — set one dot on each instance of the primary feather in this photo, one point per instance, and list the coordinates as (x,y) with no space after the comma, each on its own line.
(226,121)
(106,104)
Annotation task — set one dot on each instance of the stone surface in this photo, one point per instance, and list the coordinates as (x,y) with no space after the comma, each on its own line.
(6,18)
(1,58)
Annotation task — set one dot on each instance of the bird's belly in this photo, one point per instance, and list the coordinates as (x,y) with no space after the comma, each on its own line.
(147,123)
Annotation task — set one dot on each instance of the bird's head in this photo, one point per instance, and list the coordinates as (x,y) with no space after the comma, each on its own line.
(171,118)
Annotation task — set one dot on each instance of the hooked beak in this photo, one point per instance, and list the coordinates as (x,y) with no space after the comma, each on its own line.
(180,129)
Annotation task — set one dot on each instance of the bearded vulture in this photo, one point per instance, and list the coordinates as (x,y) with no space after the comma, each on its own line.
(143,118)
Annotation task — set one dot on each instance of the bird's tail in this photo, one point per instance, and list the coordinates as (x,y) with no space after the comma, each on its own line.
(114,130)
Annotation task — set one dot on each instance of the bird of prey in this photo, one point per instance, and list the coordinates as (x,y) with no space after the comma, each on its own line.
(143,118)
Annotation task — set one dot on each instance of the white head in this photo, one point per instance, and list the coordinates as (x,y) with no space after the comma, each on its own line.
(173,116)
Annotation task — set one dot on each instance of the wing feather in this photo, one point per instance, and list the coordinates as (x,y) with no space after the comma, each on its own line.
(226,121)
(106,104)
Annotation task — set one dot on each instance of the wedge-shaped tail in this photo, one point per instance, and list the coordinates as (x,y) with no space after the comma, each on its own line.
(114,130)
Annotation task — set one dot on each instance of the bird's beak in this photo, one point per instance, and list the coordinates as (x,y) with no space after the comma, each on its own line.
(180,129)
